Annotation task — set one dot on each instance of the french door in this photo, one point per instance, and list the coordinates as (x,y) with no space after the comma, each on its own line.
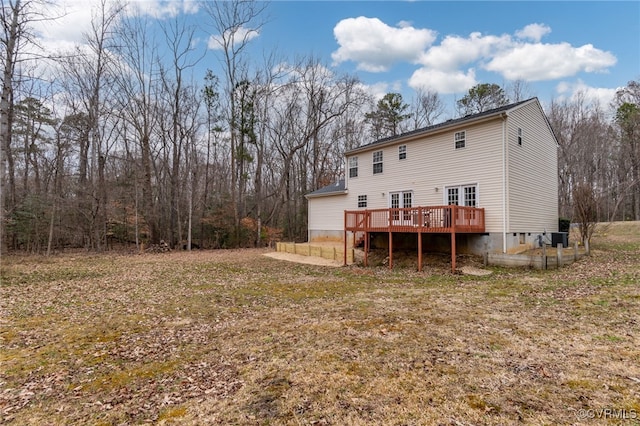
(401,200)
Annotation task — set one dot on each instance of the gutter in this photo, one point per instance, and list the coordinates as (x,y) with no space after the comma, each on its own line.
(504,182)
(327,194)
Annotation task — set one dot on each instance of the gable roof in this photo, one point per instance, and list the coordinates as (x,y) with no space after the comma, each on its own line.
(336,188)
(467,119)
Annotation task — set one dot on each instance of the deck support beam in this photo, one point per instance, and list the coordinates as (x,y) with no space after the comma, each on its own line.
(419,251)
(344,252)
(453,252)
(366,249)
(390,250)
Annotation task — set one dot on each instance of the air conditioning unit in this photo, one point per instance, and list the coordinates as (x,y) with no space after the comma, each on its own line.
(560,238)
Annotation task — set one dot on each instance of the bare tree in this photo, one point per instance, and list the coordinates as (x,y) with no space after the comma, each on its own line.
(426,107)
(138,90)
(518,90)
(19,45)
(236,23)
(89,76)
(313,101)
(585,208)
(179,101)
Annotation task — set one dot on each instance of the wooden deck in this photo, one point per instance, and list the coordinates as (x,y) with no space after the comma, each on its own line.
(421,220)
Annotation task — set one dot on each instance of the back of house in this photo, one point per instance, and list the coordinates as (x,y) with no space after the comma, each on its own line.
(503,161)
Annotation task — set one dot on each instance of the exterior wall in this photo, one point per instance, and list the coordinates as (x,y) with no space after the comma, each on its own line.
(432,164)
(326,217)
(532,178)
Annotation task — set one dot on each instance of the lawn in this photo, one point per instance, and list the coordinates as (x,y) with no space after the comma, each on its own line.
(234,337)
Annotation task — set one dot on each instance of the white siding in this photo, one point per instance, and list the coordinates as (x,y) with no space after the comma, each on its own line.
(432,163)
(327,213)
(532,172)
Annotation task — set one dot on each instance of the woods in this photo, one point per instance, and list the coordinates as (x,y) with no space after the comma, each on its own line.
(121,143)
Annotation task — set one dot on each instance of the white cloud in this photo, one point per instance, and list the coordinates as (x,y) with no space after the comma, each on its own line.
(455,51)
(241,35)
(572,91)
(375,46)
(536,62)
(533,32)
(443,81)
(73,17)
(162,9)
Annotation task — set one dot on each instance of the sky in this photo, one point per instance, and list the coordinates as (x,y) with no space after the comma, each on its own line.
(557,49)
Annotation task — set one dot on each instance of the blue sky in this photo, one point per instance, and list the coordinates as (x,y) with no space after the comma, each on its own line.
(556,48)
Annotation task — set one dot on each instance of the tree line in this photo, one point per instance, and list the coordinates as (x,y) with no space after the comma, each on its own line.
(119,144)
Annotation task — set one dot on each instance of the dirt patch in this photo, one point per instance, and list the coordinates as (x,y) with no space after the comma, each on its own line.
(470,270)
(308,260)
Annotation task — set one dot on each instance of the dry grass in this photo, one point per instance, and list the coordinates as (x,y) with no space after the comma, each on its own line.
(234,337)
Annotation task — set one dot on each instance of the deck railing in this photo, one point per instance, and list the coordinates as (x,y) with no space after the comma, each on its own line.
(434,219)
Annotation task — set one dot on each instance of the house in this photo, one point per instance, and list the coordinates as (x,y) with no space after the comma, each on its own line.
(494,172)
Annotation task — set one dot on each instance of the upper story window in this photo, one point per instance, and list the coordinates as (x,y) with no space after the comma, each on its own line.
(377,162)
(353,167)
(362,201)
(519,136)
(402,152)
(460,139)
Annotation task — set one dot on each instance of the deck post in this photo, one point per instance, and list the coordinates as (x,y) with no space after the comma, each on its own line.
(366,248)
(453,237)
(453,252)
(390,250)
(345,240)
(419,251)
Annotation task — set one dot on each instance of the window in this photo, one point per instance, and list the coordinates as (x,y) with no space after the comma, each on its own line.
(460,139)
(353,167)
(469,196)
(519,136)
(377,162)
(362,201)
(452,196)
(463,195)
(402,152)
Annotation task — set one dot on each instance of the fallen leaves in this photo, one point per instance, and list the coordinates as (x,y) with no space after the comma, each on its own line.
(233,337)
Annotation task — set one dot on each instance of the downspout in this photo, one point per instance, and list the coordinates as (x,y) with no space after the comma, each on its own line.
(504,182)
